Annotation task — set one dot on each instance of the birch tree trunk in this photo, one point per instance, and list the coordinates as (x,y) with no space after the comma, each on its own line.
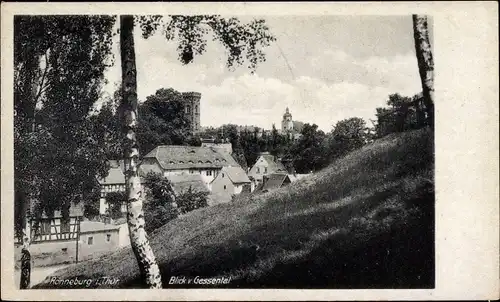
(425,63)
(135,216)
(25,254)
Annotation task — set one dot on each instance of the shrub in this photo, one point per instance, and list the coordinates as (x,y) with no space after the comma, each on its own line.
(191,200)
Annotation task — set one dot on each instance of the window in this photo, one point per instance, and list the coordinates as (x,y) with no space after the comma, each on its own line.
(258,170)
(64,249)
(90,240)
(188,109)
(108,237)
(265,169)
(224,187)
(209,173)
(223,177)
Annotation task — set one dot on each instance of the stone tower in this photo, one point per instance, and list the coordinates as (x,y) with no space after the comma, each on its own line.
(287,123)
(192,109)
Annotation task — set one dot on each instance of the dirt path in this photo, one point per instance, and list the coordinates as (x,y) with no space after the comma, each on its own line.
(38,274)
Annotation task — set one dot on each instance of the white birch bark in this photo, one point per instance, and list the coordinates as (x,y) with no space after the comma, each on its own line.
(135,216)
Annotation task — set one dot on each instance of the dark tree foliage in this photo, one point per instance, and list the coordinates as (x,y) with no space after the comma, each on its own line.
(115,201)
(160,197)
(191,200)
(162,120)
(308,152)
(59,62)
(347,135)
(402,114)
(158,206)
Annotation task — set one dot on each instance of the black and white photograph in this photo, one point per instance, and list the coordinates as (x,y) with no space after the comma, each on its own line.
(223,151)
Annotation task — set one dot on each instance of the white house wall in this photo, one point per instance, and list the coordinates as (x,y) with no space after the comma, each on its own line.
(259,169)
(55,231)
(238,189)
(207,175)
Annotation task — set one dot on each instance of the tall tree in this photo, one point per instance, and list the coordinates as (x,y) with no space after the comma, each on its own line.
(308,152)
(425,63)
(162,120)
(242,41)
(348,135)
(135,216)
(59,63)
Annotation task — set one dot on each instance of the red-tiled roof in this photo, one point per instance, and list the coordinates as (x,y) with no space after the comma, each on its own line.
(186,157)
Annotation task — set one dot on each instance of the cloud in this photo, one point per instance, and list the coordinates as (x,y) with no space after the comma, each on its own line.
(255,100)
(398,72)
(329,86)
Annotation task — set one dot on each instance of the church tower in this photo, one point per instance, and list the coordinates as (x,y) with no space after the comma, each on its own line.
(287,123)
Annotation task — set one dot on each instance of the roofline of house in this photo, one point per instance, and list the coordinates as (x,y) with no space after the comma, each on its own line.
(100,231)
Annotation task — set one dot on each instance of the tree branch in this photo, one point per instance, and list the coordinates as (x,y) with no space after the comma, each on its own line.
(41,89)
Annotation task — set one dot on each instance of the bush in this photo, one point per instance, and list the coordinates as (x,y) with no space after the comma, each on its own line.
(158,208)
(191,200)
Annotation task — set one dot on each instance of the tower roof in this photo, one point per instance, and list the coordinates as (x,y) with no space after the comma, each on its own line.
(287,113)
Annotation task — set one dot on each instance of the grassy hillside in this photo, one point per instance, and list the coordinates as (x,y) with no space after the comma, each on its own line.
(366,221)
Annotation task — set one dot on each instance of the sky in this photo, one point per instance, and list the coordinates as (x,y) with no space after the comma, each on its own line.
(340,67)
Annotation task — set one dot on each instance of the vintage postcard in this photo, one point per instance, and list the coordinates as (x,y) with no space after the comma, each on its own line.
(250,151)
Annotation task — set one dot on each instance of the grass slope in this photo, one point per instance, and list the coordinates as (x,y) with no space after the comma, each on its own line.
(366,221)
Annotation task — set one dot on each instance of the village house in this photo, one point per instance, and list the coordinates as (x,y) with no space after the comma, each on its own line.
(228,182)
(174,160)
(97,238)
(279,179)
(55,228)
(275,181)
(56,241)
(266,164)
(114,182)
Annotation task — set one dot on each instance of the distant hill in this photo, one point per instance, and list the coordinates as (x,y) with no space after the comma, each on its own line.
(366,221)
